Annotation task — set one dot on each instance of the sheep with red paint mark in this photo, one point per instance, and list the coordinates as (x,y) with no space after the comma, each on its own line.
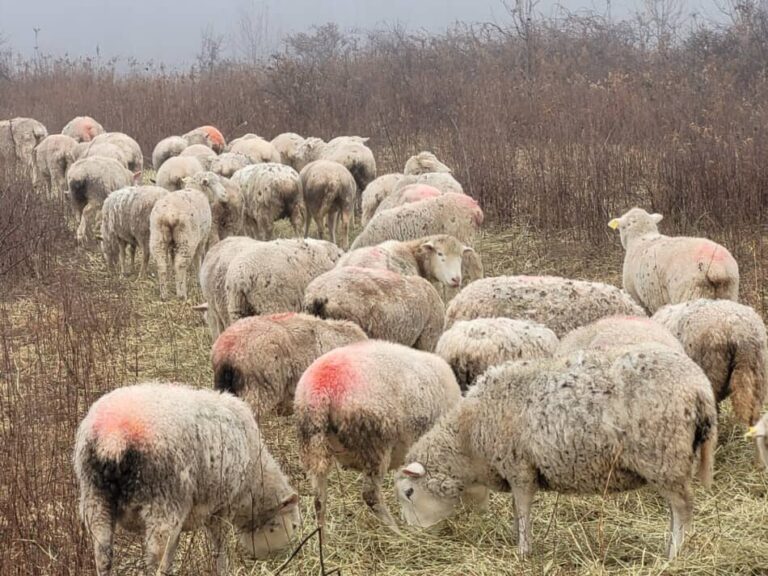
(661,269)
(443,181)
(82,129)
(167,148)
(375,193)
(424,163)
(363,406)
(260,359)
(385,304)
(408,194)
(617,331)
(209,136)
(162,458)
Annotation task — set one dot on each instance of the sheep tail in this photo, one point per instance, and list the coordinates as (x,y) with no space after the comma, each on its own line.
(227,378)
(705,439)
(749,380)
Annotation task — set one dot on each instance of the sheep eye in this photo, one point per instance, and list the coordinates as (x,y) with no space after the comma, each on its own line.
(440,254)
(409,493)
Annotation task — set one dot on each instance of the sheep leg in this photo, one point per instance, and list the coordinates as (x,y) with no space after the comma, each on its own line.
(83,230)
(523,496)
(181,267)
(298,217)
(320,488)
(160,547)
(217,535)
(144,259)
(101,526)
(162,255)
(372,480)
(132,248)
(331,224)
(345,220)
(319,217)
(681,508)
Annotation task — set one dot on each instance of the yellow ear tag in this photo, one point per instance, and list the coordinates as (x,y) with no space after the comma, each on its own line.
(613,224)
(751,432)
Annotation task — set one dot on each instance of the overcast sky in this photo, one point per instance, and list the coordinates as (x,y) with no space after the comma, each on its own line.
(170,30)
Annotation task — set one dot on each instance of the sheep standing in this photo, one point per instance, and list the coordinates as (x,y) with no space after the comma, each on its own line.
(165,458)
(255,148)
(167,148)
(364,405)
(728,340)
(560,304)
(260,359)
(355,156)
(424,163)
(661,270)
(375,192)
(386,305)
(287,145)
(18,139)
(173,171)
(207,136)
(271,192)
(472,346)
(329,192)
(226,203)
(134,159)
(205,155)
(52,158)
(228,163)
(572,425)
(103,149)
(125,226)
(617,331)
(82,129)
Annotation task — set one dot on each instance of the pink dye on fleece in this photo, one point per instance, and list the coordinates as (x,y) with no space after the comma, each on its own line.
(330,377)
(215,136)
(470,203)
(281,316)
(421,192)
(121,423)
(710,252)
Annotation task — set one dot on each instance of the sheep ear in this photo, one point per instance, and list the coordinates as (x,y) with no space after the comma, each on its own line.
(429,245)
(414,470)
(288,503)
(613,224)
(656,218)
(466,249)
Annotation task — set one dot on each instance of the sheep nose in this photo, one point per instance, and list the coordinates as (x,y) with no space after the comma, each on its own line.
(456,281)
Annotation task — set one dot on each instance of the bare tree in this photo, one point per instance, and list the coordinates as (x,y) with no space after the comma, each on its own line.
(661,20)
(523,15)
(211,45)
(253,41)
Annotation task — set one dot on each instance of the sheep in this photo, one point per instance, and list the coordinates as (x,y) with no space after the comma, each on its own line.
(179,230)
(728,340)
(226,203)
(617,331)
(89,182)
(260,359)
(272,191)
(454,214)
(375,192)
(594,422)
(407,194)
(162,458)
(173,171)
(560,304)
(443,181)
(424,163)
(134,159)
(472,346)
(167,148)
(228,163)
(256,149)
(760,433)
(125,226)
(205,155)
(287,144)
(661,270)
(82,129)
(18,138)
(364,405)
(105,150)
(207,136)
(385,304)
(329,191)
(352,153)
(271,277)
(52,158)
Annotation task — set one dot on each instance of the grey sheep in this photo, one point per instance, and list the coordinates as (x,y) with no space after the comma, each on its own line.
(617,331)
(228,163)
(18,139)
(52,158)
(595,422)
(167,148)
(375,192)
(163,458)
(287,145)
(82,129)
(271,192)
(226,203)
(173,171)
(329,195)
(207,136)
(424,163)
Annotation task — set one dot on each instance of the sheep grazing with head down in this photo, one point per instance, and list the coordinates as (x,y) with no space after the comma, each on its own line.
(617,331)
(228,163)
(287,144)
(103,149)
(363,405)
(205,155)
(207,136)
(226,203)
(424,163)
(728,340)
(82,129)
(255,148)
(167,148)
(162,458)
(594,422)
(560,304)
(271,192)
(473,346)
(260,359)
(443,181)
(760,433)
(174,170)
(408,194)
(375,193)
(329,196)
(52,158)
(18,139)
(661,270)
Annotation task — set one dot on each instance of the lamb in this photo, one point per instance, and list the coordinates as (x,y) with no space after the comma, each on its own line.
(173,171)
(134,159)
(329,191)
(205,155)
(407,194)
(760,433)
(287,144)
(260,359)
(375,192)
(271,192)
(18,139)
(256,149)
(560,304)
(424,163)
(454,214)
(472,346)
(207,136)
(52,158)
(617,331)
(364,405)
(226,203)
(82,129)
(661,270)
(162,458)
(167,148)
(385,304)
(228,163)
(89,182)
(125,226)
(728,340)
(571,425)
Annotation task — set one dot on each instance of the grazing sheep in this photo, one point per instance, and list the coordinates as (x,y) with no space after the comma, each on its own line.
(424,163)
(728,340)
(443,181)
(408,194)
(205,155)
(617,331)
(271,277)
(105,150)
(167,148)
(18,139)
(272,191)
(255,148)
(385,304)
(363,405)
(228,163)
(134,159)
(375,192)
(89,182)
(760,433)
(560,304)
(125,226)
(162,458)
(226,203)
(52,158)
(352,153)
(454,214)
(260,359)
(595,422)
(173,171)
(329,191)
(179,231)
(287,144)
(82,129)
(473,346)
(661,270)
(207,136)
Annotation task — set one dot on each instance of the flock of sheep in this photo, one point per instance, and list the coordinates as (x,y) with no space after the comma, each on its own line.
(519,384)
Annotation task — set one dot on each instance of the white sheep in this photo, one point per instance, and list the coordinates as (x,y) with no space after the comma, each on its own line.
(424,163)
(52,158)
(162,458)
(443,181)
(18,138)
(375,192)
(349,151)
(408,194)
(208,136)
(82,129)
(173,171)
(594,422)
(329,196)
(167,148)
(203,153)
(271,191)
(228,163)
(226,203)
(661,270)
(255,148)
(617,331)
(134,158)
(287,144)
(103,149)
(363,405)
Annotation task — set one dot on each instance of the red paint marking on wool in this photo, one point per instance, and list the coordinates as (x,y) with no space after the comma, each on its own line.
(634,319)
(330,377)
(421,193)
(122,422)
(225,343)
(710,252)
(281,316)
(215,136)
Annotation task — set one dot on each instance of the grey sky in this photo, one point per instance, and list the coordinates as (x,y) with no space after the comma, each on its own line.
(170,30)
